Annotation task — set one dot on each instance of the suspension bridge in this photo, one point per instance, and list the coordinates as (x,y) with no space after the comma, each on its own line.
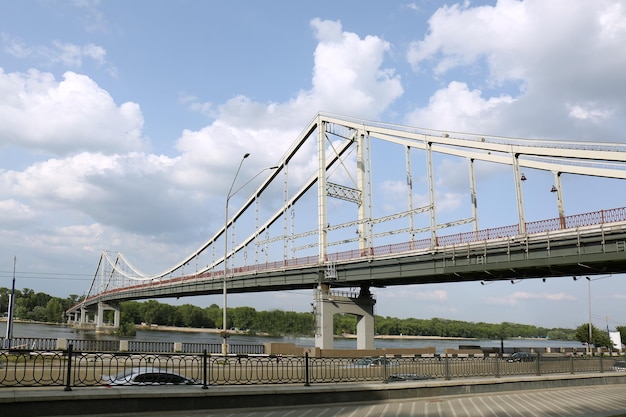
(354,205)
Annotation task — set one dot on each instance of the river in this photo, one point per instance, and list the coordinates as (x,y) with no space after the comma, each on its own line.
(56,331)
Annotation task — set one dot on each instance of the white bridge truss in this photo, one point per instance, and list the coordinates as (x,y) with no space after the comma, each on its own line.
(318,206)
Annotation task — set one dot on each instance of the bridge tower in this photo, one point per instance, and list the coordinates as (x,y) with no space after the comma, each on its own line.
(326,302)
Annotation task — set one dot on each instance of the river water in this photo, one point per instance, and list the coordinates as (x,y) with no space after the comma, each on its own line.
(53,331)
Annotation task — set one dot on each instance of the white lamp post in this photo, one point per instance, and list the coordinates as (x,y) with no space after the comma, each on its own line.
(589,303)
(224,290)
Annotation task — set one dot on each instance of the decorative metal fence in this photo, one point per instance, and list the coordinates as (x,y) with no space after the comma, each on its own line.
(87,345)
(70,368)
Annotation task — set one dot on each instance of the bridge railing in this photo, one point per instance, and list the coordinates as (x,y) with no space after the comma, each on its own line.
(132,346)
(70,368)
(541,226)
(28,343)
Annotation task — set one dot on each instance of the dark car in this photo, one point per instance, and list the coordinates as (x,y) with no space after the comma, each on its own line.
(522,357)
(408,377)
(148,376)
(619,366)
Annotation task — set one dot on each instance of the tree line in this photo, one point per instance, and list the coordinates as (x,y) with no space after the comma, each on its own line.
(30,305)
(37,306)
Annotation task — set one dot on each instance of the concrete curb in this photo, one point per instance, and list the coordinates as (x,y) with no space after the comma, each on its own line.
(85,401)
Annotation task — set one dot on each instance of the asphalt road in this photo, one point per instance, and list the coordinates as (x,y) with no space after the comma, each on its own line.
(591,401)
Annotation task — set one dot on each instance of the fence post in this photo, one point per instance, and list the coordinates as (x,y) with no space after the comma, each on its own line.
(307,382)
(446,366)
(498,358)
(385,376)
(601,362)
(538,363)
(571,363)
(68,382)
(204,366)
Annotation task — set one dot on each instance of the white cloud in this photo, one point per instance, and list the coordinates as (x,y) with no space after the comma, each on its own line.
(348,74)
(93,19)
(12,211)
(72,55)
(456,108)
(103,183)
(413,294)
(517,297)
(347,79)
(67,55)
(539,54)
(40,113)
(589,111)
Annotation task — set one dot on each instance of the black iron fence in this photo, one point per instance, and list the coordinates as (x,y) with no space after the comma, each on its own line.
(74,368)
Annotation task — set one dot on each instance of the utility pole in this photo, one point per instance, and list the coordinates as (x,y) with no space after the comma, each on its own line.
(9,335)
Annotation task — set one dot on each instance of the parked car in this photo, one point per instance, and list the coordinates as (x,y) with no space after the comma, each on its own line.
(408,377)
(147,376)
(619,366)
(522,357)
(371,363)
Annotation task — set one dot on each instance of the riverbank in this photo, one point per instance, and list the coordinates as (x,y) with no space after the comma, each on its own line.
(239,332)
(212,335)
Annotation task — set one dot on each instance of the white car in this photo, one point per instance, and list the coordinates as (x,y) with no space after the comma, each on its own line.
(147,376)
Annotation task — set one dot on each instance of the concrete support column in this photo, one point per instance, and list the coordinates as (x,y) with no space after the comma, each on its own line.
(100,315)
(327,304)
(365,328)
(324,312)
(116,317)
(100,326)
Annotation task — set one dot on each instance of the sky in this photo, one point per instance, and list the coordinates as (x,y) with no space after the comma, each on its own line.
(121,123)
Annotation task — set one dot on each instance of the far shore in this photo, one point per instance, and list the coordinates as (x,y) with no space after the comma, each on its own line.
(239,332)
(231,332)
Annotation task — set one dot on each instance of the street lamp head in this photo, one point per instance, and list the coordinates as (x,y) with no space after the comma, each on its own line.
(247,154)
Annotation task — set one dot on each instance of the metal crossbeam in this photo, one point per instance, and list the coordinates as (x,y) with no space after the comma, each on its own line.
(343,193)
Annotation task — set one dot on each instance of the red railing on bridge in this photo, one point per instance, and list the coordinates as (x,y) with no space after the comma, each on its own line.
(541,226)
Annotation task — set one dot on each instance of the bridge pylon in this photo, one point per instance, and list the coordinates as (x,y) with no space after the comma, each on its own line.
(328,303)
(101,327)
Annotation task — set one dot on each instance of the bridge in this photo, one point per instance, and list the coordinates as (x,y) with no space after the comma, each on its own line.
(314,221)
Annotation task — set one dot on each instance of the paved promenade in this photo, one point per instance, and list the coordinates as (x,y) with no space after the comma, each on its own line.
(598,401)
(590,395)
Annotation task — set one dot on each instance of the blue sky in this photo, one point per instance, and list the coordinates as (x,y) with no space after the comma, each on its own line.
(114,114)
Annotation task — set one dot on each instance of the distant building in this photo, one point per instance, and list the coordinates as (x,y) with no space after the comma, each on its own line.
(616,339)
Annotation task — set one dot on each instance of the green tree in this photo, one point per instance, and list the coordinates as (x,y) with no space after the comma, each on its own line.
(4,299)
(599,338)
(560,334)
(131,312)
(344,324)
(191,316)
(213,316)
(387,325)
(38,313)
(54,310)
(127,329)
(243,317)
(152,313)
(622,331)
